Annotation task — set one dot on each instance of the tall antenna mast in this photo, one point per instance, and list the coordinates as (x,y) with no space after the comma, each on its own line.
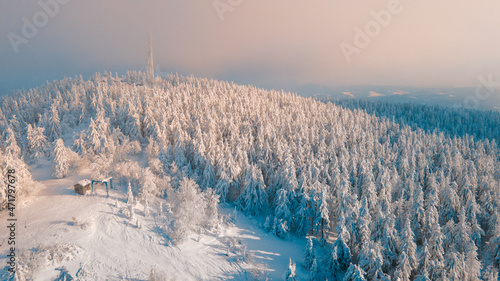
(151,69)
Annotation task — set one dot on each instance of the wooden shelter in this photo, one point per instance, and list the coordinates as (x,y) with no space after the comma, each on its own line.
(83,186)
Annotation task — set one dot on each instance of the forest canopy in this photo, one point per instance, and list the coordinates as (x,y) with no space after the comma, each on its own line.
(399,201)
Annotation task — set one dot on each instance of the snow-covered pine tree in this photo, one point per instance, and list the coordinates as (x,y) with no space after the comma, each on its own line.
(454,266)
(282,215)
(436,252)
(342,229)
(133,124)
(253,199)
(188,198)
(431,203)
(343,253)
(61,160)
(390,243)
(37,144)
(212,208)
(280,228)
(268,224)
(424,259)
(363,223)
(473,210)
(316,273)
(472,262)
(418,214)
(331,268)
(291,274)
(403,270)
(222,187)
(354,273)
(53,124)
(322,217)
(93,138)
(451,203)
(371,259)
(146,207)
(408,245)
(303,215)
(19,129)
(148,184)
(310,255)
(208,178)
(11,147)
(80,144)
(346,205)
(367,186)
(130,195)
(132,214)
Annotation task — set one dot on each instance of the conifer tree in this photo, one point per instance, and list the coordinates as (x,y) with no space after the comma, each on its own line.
(208,178)
(93,138)
(355,273)
(12,148)
(291,274)
(54,125)
(472,263)
(37,144)
(436,252)
(322,221)
(253,199)
(133,125)
(130,195)
(303,216)
(61,161)
(310,255)
(408,244)
(282,215)
(424,258)
(332,267)
(222,187)
(363,224)
(212,208)
(390,243)
(148,183)
(146,208)
(343,254)
(403,270)
(315,274)
(371,259)
(454,265)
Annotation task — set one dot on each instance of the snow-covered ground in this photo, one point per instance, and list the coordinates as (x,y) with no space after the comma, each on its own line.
(94,240)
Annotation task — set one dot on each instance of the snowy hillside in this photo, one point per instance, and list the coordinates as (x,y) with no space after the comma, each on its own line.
(378,200)
(93,239)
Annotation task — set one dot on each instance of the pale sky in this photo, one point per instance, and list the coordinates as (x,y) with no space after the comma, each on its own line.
(274,44)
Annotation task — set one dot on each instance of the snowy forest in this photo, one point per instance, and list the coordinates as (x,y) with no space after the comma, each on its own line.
(382,191)
(480,124)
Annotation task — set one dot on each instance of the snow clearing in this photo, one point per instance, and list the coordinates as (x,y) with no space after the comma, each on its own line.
(90,238)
